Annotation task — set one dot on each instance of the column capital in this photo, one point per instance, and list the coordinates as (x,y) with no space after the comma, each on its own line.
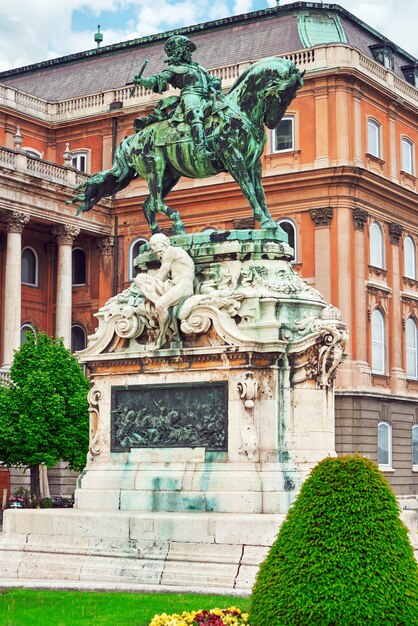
(359,218)
(321,216)
(16,222)
(65,234)
(105,245)
(395,232)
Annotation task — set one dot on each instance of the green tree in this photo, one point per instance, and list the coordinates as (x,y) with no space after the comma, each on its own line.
(43,408)
(342,556)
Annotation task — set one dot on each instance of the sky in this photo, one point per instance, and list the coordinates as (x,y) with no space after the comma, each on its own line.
(37,30)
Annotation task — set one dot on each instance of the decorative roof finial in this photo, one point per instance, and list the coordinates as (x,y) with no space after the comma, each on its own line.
(98,37)
(17,138)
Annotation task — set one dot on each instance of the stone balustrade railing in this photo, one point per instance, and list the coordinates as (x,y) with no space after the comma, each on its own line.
(309,59)
(18,161)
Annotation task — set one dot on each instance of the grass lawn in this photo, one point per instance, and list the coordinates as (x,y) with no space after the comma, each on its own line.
(22,607)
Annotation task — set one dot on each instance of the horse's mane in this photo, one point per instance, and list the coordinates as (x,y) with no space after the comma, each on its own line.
(269,65)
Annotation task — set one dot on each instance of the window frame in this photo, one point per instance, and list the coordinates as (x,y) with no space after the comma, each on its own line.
(413,261)
(380,343)
(405,141)
(35,254)
(77,155)
(74,284)
(376,227)
(26,327)
(388,428)
(288,220)
(411,349)
(78,325)
(414,458)
(32,152)
(372,123)
(273,135)
(131,275)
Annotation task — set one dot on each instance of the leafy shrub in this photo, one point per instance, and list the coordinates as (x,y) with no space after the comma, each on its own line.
(342,556)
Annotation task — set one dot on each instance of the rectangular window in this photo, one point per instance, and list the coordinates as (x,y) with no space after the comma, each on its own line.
(283,136)
(79,161)
(373,136)
(407,156)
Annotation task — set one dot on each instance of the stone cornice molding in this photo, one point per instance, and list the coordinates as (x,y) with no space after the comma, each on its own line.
(105,245)
(359,218)
(321,217)
(16,222)
(65,234)
(395,232)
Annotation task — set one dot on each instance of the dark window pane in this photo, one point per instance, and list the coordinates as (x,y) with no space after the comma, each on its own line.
(284,135)
(28,267)
(78,339)
(79,267)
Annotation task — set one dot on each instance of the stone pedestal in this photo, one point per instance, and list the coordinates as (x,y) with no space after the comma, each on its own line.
(197,448)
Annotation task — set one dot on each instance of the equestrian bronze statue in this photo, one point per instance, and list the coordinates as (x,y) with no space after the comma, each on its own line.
(199,133)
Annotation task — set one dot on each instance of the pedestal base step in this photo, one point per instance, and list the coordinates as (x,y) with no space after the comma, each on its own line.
(188,550)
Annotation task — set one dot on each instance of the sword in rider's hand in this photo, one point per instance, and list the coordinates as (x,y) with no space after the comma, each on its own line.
(136,78)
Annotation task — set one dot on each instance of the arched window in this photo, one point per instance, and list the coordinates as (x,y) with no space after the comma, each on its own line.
(407,155)
(33,152)
(27,327)
(79,267)
(378,343)
(409,258)
(376,245)
(29,271)
(411,348)
(384,445)
(373,138)
(415,445)
(133,253)
(78,338)
(289,228)
(283,136)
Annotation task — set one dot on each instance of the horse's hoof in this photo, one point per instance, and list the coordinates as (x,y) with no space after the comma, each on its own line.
(179,229)
(269,225)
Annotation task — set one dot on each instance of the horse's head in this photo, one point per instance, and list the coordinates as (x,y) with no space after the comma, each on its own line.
(266,88)
(279,92)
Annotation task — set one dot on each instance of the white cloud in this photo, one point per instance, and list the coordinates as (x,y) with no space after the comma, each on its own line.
(242,6)
(35,30)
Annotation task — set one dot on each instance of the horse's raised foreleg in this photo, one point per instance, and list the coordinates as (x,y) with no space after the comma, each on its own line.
(238,169)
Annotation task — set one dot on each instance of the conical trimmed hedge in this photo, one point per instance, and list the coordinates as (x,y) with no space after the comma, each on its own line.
(342,556)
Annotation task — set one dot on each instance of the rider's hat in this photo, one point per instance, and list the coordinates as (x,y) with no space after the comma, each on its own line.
(177,41)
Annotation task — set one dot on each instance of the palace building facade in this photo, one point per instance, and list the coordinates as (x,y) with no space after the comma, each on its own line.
(340,176)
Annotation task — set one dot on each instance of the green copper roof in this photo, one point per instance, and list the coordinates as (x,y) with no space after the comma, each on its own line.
(319,28)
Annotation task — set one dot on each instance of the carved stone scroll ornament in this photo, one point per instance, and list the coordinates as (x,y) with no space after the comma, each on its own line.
(248,389)
(93,399)
(325,338)
(65,234)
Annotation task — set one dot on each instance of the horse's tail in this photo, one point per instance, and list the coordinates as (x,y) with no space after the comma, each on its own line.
(106,183)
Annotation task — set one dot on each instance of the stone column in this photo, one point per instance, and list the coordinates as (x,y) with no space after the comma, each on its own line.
(65,236)
(342,125)
(358,135)
(359,327)
(321,128)
(15,224)
(392,157)
(397,374)
(322,219)
(105,246)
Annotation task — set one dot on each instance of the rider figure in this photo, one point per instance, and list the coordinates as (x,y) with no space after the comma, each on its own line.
(195,83)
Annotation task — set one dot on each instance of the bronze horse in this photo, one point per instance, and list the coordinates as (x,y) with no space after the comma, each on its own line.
(163,152)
